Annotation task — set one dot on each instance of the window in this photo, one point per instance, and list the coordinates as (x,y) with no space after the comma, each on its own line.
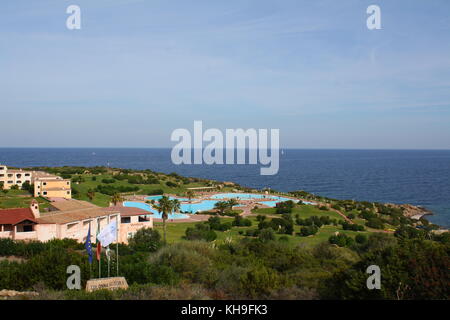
(19,181)
(2,175)
(10,182)
(68,192)
(27,174)
(68,182)
(18,175)
(45,183)
(45,193)
(71,226)
(28,228)
(125,220)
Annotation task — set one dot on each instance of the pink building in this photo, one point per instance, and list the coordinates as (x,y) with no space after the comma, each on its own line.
(70,219)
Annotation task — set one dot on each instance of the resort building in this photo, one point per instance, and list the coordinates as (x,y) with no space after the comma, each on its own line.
(10,178)
(52,187)
(45,184)
(70,219)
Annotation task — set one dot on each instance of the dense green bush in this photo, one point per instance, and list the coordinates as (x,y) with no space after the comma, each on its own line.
(353,227)
(342,240)
(308,231)
(284,207)
(201,231)
(145,240)
(241,222)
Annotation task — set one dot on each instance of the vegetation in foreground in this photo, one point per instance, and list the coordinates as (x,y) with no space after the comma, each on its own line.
(292,251)
(249,268)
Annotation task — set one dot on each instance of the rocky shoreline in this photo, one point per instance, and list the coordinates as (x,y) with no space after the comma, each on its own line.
(411,211)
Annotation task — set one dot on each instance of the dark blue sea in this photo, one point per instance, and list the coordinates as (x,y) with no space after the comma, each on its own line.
(406,176)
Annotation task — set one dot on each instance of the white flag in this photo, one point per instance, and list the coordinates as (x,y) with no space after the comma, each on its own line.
(108,235)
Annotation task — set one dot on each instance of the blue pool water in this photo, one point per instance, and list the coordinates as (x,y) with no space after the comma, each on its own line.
(156,214)
(156,198)
(205,205)
(248,196)
(272,204)
(241,196)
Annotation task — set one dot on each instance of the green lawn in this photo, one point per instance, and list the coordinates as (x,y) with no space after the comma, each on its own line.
(305,211)
(19,199)
(103,199)
(176,231)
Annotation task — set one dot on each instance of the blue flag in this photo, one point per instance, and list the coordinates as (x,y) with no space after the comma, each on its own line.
(88,244)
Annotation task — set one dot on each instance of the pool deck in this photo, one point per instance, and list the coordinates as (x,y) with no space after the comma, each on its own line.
(247,205)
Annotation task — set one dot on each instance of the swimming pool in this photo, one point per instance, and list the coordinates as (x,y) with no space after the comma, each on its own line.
(241,196)
(204,205)
(155,214)
(250,196)
(272,204)
(156,198)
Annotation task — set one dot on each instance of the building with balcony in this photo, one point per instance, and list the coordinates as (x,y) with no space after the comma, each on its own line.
(45,184)
(70,219)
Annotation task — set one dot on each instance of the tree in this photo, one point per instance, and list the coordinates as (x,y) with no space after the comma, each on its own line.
(221,206)
(413,269)
(266,235)
(190,194)
(116,198)
(202,231)
(145,240)
(231,203)
(164,206)
(175,205)
(2,184)
(90,194)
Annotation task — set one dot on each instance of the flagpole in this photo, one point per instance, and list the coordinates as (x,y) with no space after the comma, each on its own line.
(90,262)
(99,254)
(107,256)
(117,245)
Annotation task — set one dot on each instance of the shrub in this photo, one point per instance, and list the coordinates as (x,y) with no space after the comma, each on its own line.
(201,231)
(241,222)
(308,231)
(341,240)
(145,240)
(361,238)
(375,223)
(266,235)
(284,207)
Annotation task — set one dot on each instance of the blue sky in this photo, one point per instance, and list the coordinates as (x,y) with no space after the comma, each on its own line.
(138,69)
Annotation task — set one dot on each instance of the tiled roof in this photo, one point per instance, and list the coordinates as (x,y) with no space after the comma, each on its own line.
(67,205)
(15,216)
(72,216)
(127,211)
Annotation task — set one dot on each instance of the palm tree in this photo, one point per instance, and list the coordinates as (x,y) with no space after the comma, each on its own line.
(116,198)
(176,205)
(190,195)
(164,206)
(221,206)
(232,203)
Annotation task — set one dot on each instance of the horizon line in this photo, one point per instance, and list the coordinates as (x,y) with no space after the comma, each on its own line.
(287,148)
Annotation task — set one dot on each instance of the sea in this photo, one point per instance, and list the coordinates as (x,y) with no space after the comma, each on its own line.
(418,177)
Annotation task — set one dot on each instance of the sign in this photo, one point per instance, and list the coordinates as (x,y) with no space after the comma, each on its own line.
(106,283)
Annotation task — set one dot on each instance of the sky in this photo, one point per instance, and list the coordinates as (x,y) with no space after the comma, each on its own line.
(137,70)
